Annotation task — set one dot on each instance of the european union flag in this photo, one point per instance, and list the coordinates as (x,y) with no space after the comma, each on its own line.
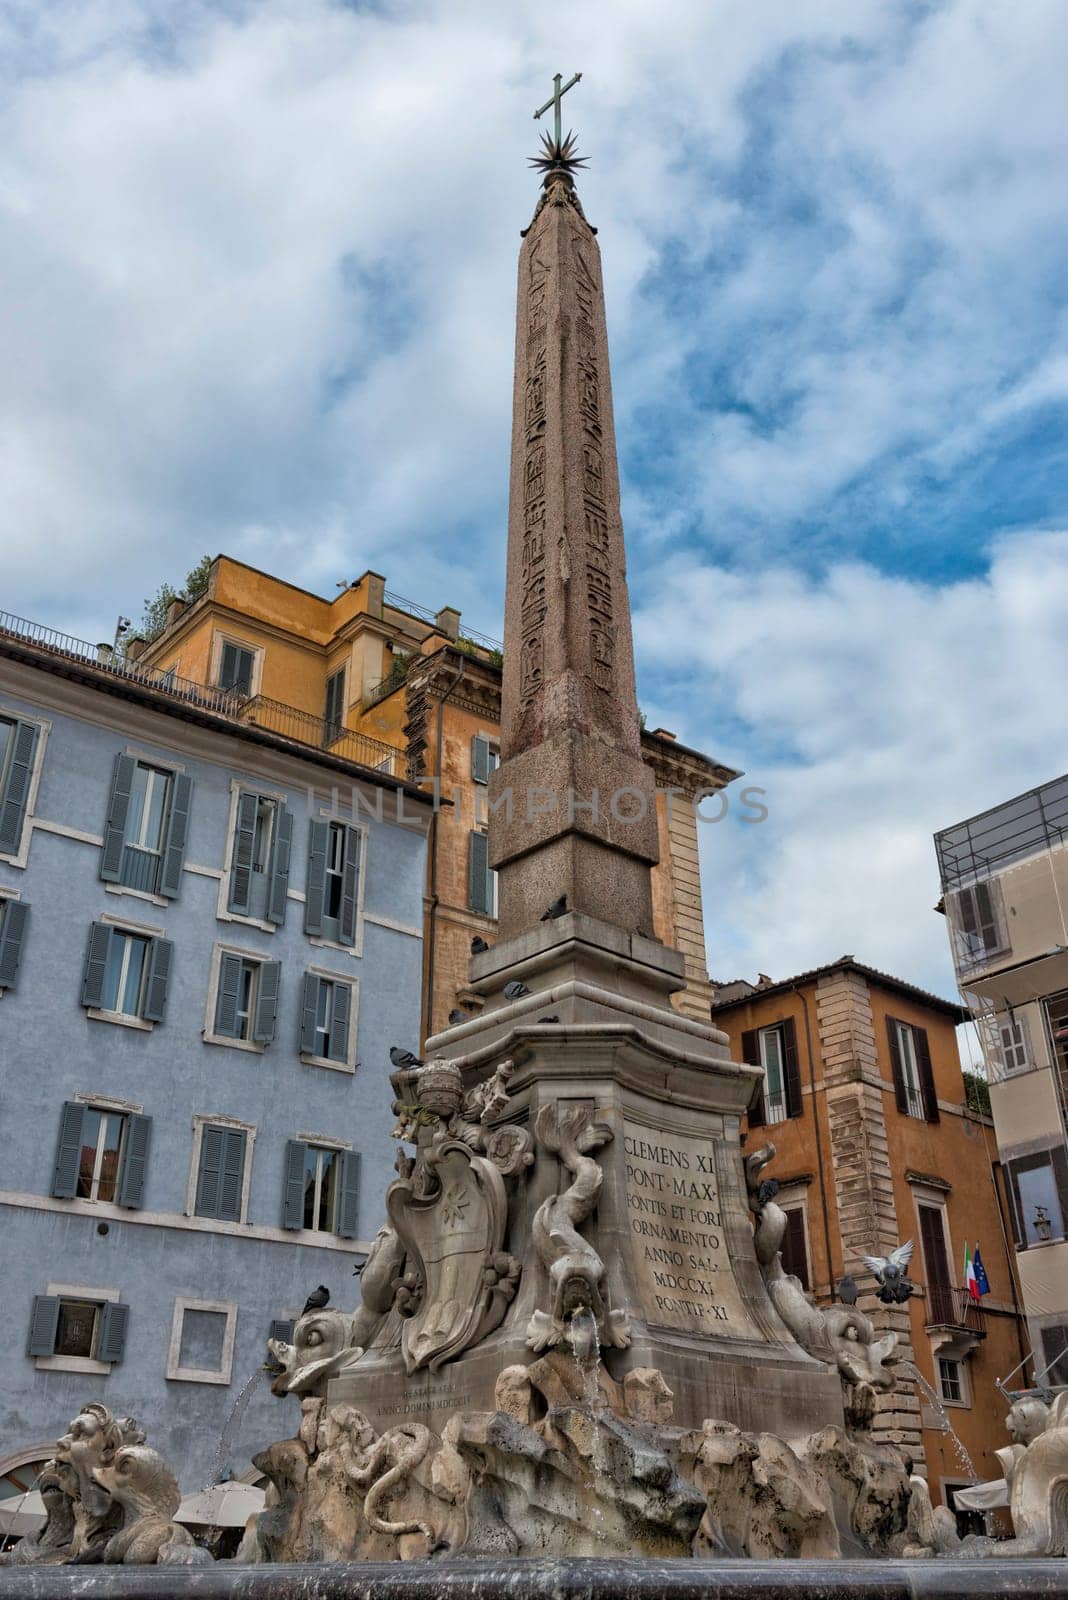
(982,1282)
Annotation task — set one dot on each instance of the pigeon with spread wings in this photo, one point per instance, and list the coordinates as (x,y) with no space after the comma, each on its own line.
(891,1273)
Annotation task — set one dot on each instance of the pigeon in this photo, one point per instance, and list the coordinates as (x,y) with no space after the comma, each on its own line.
(548,1019)
(457,1016)
(890,1273)
(403,1058)
(767,1191)
(478,945)
(557,909)
(316,1300)
(847,1290)
(358,1268)
(515,990)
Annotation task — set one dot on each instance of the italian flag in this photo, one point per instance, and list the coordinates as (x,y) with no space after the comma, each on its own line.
(971,1282)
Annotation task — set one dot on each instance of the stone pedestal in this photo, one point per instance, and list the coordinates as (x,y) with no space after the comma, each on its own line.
(671,1220)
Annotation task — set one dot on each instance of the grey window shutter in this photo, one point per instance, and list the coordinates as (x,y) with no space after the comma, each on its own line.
(928,1093)
(350,878)
(315,888)
(348,1200)
(209,1178)
(791,1074)
(68,1151)
(244,845)
(897,1070)
(308,1010)
(111,1340)
(282,1330)
(478,880)
(233,1174)
(279,886)
(131,1186)
(229,993)
(270,977)
(118,813)
(160,961)
(16,791)
(13,915)
(170,878)
(751,1057)
(96,960)
(340,1015)
(480,752)
(228,666)
(44,1322)
(293,1192)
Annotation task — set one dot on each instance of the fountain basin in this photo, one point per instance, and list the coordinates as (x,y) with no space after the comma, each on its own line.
(551,1579)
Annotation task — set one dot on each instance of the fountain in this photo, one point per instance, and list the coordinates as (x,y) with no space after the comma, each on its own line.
(578,1365)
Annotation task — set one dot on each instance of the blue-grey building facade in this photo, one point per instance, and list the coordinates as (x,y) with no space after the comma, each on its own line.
(209,938)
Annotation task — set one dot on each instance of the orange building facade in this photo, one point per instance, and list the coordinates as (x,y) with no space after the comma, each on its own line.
(386,683)
(865,1102)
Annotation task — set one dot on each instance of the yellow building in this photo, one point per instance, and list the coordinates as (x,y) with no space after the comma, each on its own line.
(372,676)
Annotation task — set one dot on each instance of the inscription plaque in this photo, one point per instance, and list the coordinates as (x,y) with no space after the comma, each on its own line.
(678,1240)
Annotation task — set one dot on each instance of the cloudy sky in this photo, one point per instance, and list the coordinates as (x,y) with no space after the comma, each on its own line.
(257,272)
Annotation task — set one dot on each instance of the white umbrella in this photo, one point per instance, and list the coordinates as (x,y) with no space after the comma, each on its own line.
(22,1513)
(224,1505)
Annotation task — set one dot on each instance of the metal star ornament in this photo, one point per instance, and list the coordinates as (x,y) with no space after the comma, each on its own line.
(559,155)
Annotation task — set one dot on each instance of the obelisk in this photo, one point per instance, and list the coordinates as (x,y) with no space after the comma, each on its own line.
(573,804)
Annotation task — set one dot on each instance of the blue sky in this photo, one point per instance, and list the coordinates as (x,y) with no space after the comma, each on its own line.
(258,262)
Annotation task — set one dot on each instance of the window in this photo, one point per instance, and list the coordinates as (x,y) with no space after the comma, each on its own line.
(101,1155)
(968,1521)
(1014,1044)
(243,1002)
(237,664)
(485,759)
(327,1028)
(79,1329)
(976,923)
(220,1189)
(202,1341)
(794,1245)
(18,749)
(1038,1185)
(321,1188)
(950,1381)
(481,878)
(334,712)
(910,1066)
(1055,1353)
(775,1050)
(259,858)
(145,832)
(14,915)
(331,906)
(126,975)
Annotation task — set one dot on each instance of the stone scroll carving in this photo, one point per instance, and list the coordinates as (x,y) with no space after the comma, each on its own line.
(576,1271)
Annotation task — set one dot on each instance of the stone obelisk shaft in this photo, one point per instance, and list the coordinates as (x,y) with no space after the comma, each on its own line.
(582,807)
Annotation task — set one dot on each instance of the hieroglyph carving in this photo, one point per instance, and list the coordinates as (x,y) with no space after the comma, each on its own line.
(576,1271)
(598,578)
(532,607)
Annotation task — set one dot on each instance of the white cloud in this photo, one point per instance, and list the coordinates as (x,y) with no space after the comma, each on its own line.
(873,711)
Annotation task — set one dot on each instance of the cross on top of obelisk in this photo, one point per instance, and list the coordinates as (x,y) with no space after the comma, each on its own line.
(557,151)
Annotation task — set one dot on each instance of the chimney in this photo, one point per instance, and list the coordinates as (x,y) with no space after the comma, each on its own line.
(174,611)
(135,647)
(447,621)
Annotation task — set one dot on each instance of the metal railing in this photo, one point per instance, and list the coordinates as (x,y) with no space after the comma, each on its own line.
(332,736)
(400,603)
(1022,827)
(103,658)
(257,710)
(954,1308)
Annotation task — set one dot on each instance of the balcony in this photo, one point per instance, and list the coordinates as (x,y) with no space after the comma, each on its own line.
(1022,827)
(954,1321)
(259,711)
